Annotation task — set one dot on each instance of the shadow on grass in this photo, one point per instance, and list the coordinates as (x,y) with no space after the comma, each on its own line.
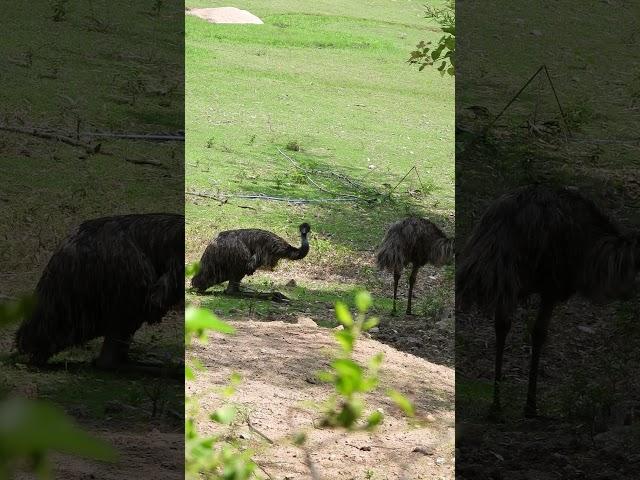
(358,223)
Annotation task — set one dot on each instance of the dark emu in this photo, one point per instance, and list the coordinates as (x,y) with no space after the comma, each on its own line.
(107,278)
(415,241)
(553,242)
(234,254)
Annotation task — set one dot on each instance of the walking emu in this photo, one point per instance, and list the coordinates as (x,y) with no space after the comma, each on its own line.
(106,279)
(234,254)
(415,241)
(546,241)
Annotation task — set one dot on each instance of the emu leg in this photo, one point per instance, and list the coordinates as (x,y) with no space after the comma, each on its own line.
(502,325)
(412,281)
(396,278)
(233,287)
(538,337)
(114,352)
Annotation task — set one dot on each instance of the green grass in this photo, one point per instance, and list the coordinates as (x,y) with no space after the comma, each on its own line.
(101,66)
(596,78)
(330,80)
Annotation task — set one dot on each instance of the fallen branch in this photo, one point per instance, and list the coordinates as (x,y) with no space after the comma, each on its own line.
(311,180)
(315,475)
(206,195)
(292,200)
(145,162)
(412,169)
(263,470)
(34,132)
(255,430)
(136,136)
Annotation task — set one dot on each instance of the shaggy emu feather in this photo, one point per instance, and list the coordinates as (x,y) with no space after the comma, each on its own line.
(546,241)
(415,241)
(107,278)
(234,254)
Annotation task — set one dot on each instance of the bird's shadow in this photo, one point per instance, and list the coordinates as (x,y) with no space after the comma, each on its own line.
(132,369)
(277,297)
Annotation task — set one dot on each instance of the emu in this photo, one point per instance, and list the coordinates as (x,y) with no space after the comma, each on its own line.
(553,242)
(107,278)
(415,241)
(234,254)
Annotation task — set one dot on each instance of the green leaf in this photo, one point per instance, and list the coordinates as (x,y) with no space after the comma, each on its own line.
(225,415)
(376,361)
(374,419)
(348,376)
(188,373)
(343,315)
(31,427)
(192,269)
(401,401)
(370,323)
(364,300)
(299,438)
(200,319)
(346,339)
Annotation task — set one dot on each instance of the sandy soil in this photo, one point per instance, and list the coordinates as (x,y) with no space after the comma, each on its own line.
(154,455)
(225,15)
(278,361)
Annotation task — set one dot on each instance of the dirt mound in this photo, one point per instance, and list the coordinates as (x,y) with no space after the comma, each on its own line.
(225,15)
(278,362)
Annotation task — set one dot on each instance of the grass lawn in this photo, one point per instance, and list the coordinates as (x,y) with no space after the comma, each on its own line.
(595,74)
(327,85)
(98,66)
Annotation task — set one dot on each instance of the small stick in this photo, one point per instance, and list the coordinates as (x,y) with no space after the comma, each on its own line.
(306,174)
(263,470)
(48,136)
(406,175)
(145,162)
(139,136)
(255,430)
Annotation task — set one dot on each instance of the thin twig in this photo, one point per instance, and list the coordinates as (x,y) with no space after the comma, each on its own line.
(207,195)
(291,200)
(406,175)
(145,162)
(315,475)
(513,99)
(46,135)
(312,181)
(263,470)
(138,136)
(553,88)
(255,430)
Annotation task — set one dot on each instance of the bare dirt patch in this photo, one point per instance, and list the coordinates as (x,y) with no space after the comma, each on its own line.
(157,455)
(225,15)
(278,362)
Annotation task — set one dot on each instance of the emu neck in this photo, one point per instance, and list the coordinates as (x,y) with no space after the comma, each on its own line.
(301,252)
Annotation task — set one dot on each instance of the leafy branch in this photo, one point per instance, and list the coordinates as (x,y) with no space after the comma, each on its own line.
(443,52)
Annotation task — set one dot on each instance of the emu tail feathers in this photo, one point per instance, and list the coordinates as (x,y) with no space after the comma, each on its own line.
(390,256)
(487,272)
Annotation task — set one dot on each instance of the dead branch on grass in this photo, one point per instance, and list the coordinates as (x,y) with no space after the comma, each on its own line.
(305,172)
(145,162)
(47,135)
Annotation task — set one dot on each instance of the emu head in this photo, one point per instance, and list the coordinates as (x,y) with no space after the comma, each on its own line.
(305,228)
